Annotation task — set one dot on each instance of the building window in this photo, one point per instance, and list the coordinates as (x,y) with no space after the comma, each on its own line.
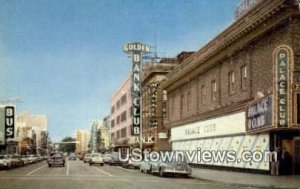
(123,99)
(118,120)
(182,104)
(112,135)
(188,101)
(244,76)
(112,109)
(118,104)
(118,134)
(203,94)
(123,116)
(112,123)
(231,81)
(124,132)
(214,90)
(172,105)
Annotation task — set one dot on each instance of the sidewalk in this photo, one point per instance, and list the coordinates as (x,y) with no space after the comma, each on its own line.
(246,179)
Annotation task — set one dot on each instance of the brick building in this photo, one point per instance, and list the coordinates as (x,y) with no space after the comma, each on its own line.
(154,104)
(241,90)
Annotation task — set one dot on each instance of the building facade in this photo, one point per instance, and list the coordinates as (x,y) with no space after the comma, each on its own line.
(121,114)
(83,138)
(240,91)
(154,134)
(32,133)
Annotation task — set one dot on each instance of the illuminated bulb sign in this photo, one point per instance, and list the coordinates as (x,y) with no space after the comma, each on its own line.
(136,50)
(282,87)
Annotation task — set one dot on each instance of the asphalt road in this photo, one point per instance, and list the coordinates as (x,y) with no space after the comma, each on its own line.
(78,175)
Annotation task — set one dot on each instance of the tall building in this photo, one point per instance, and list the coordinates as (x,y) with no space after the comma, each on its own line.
(121,114)
(105,133)
(241,91)
(83,137)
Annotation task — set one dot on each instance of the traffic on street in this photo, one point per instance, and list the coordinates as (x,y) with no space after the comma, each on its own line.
(77,175)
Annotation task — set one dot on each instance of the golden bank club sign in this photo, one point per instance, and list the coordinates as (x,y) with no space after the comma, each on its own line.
(136,50)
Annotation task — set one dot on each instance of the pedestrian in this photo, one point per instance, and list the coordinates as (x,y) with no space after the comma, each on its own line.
(275,163)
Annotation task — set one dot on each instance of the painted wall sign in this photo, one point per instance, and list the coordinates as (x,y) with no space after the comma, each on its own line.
(136,50)
(259,114)
(221,126)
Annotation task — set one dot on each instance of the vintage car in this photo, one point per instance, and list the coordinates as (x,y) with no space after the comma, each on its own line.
(177,165)
(56,158)
(96,158)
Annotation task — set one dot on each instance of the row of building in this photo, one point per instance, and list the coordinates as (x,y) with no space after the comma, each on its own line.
(30,134)
(241,91)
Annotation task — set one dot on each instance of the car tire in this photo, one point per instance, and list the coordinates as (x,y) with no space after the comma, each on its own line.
(102,164)
(90,164)
(49,165)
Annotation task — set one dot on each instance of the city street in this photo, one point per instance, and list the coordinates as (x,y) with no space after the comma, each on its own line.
(77,175)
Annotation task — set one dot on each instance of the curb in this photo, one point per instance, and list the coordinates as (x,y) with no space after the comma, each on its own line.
(244,185)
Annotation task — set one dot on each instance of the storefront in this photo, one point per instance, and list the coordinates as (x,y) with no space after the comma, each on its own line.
(221,134)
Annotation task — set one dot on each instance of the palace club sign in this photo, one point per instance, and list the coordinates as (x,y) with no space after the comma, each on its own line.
(136,50)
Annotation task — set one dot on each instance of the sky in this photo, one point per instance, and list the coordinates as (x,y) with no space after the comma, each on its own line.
(64,58)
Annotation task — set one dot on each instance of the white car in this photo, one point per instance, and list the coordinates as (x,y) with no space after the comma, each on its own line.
(96,158)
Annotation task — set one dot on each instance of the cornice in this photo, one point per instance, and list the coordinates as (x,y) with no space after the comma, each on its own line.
(241,32)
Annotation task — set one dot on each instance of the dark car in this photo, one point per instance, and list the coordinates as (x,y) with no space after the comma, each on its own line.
(56,158)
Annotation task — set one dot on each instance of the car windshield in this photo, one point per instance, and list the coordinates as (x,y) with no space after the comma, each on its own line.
(57,155)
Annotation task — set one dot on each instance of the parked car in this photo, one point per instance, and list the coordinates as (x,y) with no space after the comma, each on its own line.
(15,160)
(4,162)
(115,160)
(87,158)
(106,157)
(145,166)
(56,158)
(72,156)
(96,158)
(131,164)
(32,159)
(175,166)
